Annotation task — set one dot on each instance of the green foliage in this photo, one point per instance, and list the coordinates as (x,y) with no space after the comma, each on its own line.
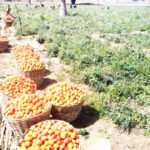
(84,133)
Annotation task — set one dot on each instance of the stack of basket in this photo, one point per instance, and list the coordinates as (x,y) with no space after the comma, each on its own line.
(3,43)
(9,20)
(26,61)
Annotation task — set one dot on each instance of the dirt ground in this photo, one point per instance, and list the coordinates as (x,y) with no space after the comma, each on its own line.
(103,134)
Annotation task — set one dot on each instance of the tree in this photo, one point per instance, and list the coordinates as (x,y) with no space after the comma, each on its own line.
(63,8)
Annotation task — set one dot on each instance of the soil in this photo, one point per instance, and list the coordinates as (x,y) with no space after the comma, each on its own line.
(102,133)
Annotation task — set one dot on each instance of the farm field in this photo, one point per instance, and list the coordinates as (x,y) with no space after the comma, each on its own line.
(105,51)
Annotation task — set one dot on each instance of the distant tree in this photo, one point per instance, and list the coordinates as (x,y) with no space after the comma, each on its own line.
(63,8)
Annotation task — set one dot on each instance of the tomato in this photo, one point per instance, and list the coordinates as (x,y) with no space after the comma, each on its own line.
(43,138)
(39,142)
(28,144)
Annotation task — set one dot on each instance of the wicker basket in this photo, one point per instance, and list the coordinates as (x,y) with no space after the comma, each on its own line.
(19,126)
(66,113)
(9,23)
(3,44)
(51,120)
(36,76)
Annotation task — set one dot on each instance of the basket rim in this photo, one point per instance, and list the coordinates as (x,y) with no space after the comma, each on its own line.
(25,119)
(53,120)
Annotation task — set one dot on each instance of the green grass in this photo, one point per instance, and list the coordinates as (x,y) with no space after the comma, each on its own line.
(120,76)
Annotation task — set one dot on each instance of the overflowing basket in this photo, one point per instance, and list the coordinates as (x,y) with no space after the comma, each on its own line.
(21,115)
(67,101)
(3,44)
(51,134)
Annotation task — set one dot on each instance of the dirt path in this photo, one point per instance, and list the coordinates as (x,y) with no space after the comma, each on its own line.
(103,134)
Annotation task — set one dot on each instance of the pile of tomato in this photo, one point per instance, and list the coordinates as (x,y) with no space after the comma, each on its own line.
(28,105)
(23,48)
(50,135)
(28,65)
(64,94)
(15,86)
(27,56)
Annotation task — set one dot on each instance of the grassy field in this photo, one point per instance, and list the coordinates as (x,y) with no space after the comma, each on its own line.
(108,50)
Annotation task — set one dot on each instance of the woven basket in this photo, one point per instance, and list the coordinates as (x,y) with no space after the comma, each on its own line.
(36,76)
(19,126)
(66,113)
(4,98)
(3,45)
(9,23)
(52,120)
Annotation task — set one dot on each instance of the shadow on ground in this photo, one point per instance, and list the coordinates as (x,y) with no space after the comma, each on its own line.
(46,72)
(85,118)
(7,50)
(46,82)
